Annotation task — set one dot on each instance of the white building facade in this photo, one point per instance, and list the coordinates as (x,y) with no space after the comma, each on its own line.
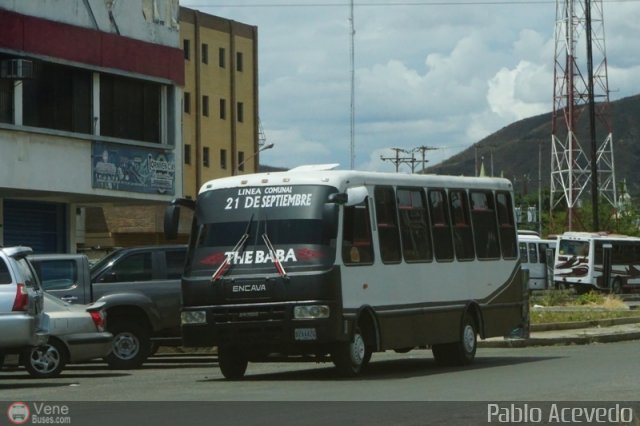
(90,113)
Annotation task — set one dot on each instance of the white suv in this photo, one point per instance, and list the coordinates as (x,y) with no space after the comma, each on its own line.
(23,324)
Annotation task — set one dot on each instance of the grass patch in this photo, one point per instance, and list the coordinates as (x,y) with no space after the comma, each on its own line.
(590,306)
(538,316)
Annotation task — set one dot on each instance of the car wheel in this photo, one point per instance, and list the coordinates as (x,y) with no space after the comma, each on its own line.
(232,362)
(350,357)
(462,352)
(131,345)
(48,360)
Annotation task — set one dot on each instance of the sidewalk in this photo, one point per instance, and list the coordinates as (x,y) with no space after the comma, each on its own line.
(578,333)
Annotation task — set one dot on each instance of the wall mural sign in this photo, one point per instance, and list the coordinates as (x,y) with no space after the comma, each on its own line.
(124,168)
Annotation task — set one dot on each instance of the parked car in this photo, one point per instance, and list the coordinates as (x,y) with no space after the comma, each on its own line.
(23,324)
(77,334)
(141,286)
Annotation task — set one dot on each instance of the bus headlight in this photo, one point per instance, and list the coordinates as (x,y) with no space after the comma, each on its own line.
(311,312)
(193,317)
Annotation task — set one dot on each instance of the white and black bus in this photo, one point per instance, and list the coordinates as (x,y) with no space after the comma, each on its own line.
(597,261)
(314,262)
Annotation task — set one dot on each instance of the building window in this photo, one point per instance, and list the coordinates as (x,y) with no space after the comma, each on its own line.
(239,64)
(6,101)
(187,154)
(221,57)
(223,109)
(186,47)
(129,108)
(58,97)
(241,161)
(240,112)
(187,102)
(205,53)
(205,106)
(223,158)
(205,156)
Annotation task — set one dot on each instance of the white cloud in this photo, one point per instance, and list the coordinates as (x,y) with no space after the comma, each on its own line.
(442,75)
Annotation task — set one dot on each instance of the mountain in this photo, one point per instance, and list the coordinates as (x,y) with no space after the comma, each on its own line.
(517,148)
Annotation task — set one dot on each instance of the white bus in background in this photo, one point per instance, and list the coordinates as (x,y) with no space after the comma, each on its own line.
(322,264)
(537,257)
(584,259)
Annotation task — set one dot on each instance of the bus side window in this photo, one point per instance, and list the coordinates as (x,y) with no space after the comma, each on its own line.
(462,232)
(506,221)
(387,224)
(533,253)
(440,226)
(356,237)
(524,254)
(542,250)
(484,225)
(414,227)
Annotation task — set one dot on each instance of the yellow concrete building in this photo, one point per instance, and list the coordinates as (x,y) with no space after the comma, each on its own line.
(220,106)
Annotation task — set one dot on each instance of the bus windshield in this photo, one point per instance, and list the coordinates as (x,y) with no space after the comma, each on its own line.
(250,226)
(573,248)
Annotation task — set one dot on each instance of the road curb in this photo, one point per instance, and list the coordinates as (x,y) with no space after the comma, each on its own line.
(574,333)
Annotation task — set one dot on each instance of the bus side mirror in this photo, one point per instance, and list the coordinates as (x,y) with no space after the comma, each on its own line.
(338,198)
(171,221)
(330,220)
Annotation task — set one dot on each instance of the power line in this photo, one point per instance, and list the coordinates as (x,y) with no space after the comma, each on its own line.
(386,4)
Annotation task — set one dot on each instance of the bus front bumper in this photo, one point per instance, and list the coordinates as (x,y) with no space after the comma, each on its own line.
(284,328)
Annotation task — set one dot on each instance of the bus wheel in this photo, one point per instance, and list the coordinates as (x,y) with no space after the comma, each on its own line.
(232,362)
(462,352)
(350,357)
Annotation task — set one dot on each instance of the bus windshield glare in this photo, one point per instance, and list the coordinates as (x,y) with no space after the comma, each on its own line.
(239,224)
(573,248)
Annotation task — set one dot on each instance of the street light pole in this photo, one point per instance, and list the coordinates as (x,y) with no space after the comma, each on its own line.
(264,148)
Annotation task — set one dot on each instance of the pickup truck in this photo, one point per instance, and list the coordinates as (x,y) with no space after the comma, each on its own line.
(140,287)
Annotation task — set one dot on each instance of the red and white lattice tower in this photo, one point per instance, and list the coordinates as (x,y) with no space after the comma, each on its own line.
(581,115)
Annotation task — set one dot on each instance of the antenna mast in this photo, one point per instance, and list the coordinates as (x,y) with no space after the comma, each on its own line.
(577,88)
(353,92)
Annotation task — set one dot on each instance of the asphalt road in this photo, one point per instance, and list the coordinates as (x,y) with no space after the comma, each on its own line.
(400,383)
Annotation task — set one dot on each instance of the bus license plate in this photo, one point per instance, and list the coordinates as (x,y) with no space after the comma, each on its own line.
(305,333)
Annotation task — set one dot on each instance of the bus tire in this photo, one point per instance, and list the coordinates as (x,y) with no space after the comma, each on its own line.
(350,357)
(232,362)
(462,352)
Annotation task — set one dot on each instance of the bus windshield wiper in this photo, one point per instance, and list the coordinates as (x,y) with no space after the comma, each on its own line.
(273,254)
(237,249)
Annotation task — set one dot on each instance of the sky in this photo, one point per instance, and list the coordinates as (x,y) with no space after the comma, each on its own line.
(441,74)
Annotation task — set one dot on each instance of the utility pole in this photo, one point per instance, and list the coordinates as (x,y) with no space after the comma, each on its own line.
(423,150)
(397,160)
